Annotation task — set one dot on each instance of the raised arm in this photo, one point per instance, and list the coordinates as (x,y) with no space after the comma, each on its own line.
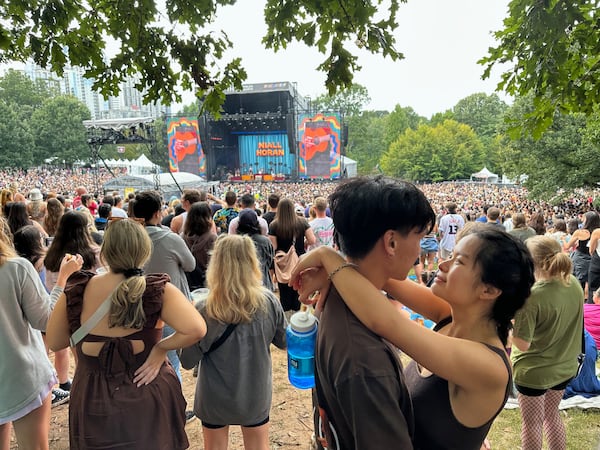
(468,364)
(189,328)
(418,298)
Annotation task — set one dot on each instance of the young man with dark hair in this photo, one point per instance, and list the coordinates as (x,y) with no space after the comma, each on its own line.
(188,198)
(170,254)
(362,398)
(273,202)
(225,215)
(450,224)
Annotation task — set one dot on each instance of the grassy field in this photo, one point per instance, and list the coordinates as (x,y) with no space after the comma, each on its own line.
(583,429)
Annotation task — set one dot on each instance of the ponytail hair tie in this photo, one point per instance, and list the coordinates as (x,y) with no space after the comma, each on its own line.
(135,272)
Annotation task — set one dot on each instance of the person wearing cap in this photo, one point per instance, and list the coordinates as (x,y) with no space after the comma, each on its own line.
(36,207)
(248,225)
(247,201)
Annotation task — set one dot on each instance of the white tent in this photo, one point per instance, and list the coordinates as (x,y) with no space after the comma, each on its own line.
(168,183)
(140,166)
(484,175)
(349,167)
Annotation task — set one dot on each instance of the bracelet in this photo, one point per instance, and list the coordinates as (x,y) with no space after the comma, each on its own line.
(340,267)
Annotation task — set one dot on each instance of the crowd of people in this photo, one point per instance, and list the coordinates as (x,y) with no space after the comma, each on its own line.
(490,257)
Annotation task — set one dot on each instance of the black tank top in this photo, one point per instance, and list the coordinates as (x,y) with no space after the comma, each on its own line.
(435,424)
(582,246)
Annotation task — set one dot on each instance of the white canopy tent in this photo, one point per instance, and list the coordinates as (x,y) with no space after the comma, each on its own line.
(484,175)
(140,166)
(168,183)
(349,167)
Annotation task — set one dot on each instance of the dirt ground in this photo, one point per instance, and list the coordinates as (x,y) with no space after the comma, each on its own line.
(291,417)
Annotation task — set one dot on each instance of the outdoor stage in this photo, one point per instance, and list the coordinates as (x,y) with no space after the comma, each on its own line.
(265,130)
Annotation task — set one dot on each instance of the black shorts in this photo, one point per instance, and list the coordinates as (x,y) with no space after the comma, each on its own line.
(215,427)
(530,392)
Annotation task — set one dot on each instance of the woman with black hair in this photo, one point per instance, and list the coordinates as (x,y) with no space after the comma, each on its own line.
(18,218)
(28,243)
(579,244)
(200,239)
(72,237)
(248,225)
(461,376)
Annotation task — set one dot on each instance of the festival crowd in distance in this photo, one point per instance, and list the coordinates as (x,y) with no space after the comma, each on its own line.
(487,261)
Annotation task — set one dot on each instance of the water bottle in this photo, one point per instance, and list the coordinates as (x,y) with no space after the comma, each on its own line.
(301,339)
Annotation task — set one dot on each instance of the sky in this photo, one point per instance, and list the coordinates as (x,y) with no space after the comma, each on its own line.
(442,40)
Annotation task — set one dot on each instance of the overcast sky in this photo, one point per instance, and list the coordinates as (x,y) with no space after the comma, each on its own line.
(441,40)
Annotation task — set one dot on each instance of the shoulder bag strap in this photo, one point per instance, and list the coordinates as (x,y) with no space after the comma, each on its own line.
(215,345)
(92,321)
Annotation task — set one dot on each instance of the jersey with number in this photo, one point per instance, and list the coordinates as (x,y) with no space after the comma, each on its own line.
(450,225)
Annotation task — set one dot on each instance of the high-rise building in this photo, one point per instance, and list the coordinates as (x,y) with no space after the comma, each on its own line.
(129,102)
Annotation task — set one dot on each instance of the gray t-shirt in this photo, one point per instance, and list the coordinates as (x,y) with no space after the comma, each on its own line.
(235,380)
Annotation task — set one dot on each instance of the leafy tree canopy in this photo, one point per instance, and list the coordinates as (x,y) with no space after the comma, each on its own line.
(59,130)
(448,151)
(482,112)
(566,154)
(552,50)
(349,101)
(17,88)
(167,46)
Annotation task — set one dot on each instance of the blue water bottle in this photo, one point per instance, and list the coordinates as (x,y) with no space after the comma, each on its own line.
(301,339)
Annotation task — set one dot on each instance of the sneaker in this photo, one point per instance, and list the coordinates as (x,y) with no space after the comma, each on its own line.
(66,386)
(189,416)
(59,397)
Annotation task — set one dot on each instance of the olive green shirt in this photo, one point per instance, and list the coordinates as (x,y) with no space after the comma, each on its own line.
(552,321)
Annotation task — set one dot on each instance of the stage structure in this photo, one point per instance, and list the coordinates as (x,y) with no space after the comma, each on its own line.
(120,132)
(320,146)
(255,136)
(185,149)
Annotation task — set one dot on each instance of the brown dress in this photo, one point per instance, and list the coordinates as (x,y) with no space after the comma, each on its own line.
(107,410)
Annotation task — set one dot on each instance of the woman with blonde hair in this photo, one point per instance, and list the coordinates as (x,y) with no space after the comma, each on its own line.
(26,372)
(243,317)
(125,393)
(6,196)
(547,335)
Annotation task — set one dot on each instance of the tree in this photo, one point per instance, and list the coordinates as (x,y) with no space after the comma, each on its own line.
(191,110)
(551,50)
(59,130)
(170,48)
(349,101)
(398,121)
(448,151)
(17,88)
(16,138)
(566,154)
(366,133)
(482,112)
